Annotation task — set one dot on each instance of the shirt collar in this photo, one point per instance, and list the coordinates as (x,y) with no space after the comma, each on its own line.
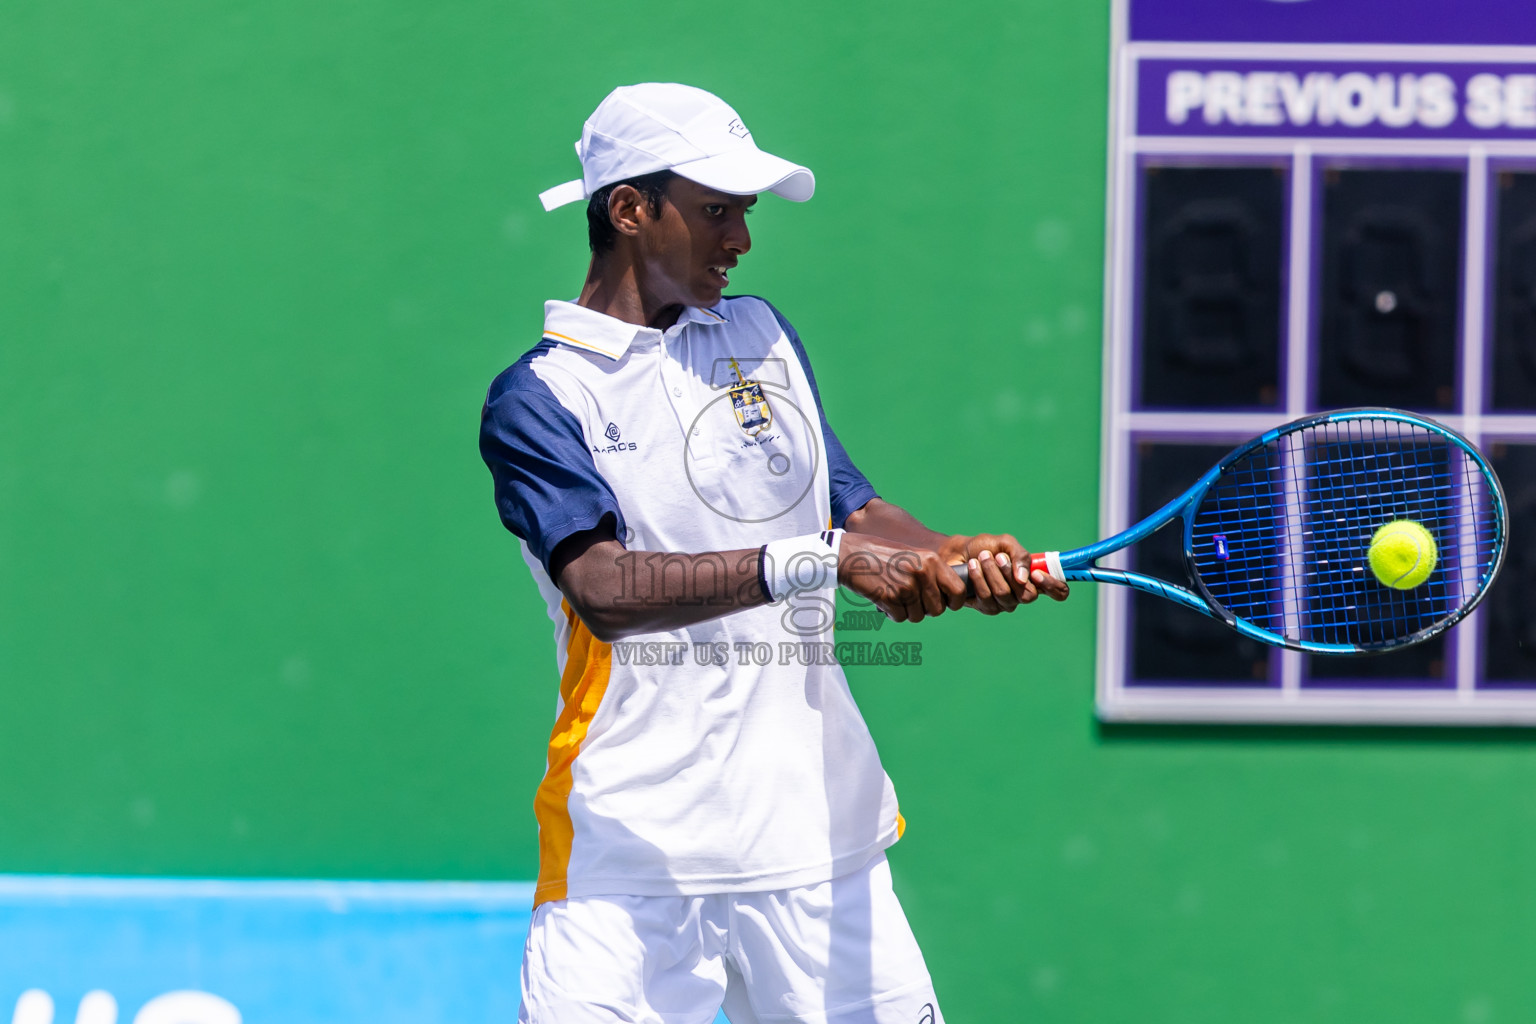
(699,315)
(584,328)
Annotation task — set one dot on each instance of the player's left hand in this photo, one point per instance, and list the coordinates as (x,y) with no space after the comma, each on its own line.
(999,571)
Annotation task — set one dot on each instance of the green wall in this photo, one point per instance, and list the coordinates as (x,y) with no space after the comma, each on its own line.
(258,618)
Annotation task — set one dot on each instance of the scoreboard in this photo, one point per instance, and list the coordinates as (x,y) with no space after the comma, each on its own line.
(1316,204)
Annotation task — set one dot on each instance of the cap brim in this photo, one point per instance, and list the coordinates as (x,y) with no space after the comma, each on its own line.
(748,171)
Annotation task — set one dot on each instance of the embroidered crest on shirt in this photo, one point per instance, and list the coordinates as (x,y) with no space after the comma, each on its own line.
(750,404)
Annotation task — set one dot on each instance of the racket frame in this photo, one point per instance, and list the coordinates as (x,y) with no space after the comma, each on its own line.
(1081,563)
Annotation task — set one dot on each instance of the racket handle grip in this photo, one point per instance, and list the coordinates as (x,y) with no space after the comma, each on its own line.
(1048,562)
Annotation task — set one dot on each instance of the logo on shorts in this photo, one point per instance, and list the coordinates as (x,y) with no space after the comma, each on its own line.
(927,1016)
(612,433)
(737,129)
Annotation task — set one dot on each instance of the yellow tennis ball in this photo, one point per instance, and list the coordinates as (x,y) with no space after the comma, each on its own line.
(1403,554)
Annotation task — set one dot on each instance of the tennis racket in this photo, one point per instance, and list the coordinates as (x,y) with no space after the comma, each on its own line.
(1276,533)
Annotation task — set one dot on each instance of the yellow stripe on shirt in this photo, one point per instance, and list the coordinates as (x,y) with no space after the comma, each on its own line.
(588,661)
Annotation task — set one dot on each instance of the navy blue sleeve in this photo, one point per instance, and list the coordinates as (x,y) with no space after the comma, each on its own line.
(547,486)
(850,490)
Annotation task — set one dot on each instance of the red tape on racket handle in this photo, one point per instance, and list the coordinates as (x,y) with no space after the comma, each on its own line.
(1048,562)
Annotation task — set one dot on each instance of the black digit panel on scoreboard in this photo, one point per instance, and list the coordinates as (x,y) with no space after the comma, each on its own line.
(1169,645)
(1316,206)
(1509,658)
(1388,296)
(1514,293)
(1210,272)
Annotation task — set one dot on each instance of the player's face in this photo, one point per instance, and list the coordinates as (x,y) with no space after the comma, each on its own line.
(689,248)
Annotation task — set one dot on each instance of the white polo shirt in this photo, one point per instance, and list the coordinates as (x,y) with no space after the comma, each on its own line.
(685,761)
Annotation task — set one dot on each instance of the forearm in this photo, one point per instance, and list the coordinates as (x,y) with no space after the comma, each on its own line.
(997,564)
(880,518)
(896,562)
(619,593)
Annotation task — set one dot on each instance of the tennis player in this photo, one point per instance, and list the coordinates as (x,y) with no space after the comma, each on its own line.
(714,816)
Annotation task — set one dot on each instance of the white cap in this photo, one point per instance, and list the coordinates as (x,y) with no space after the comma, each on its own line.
(660,126)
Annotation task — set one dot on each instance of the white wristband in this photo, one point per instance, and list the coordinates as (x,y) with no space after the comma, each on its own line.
(796,565)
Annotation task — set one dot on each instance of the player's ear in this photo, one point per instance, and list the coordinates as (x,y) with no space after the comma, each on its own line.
(627,209)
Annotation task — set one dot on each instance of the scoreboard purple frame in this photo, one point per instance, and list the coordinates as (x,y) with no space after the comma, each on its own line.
(1316,204)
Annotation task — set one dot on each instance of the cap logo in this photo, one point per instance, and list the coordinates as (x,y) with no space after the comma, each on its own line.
(737,129)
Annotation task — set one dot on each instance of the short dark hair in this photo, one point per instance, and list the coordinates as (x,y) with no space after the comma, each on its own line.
(601,233)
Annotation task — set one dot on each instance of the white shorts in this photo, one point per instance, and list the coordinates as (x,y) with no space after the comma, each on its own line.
(840,951)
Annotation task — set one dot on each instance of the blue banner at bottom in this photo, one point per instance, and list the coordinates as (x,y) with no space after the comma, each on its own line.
(163,951)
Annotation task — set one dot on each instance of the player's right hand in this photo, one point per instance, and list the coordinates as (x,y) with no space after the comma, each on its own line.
(908,585)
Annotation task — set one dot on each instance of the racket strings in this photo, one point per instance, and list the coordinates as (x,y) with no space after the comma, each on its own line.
(1281,537)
